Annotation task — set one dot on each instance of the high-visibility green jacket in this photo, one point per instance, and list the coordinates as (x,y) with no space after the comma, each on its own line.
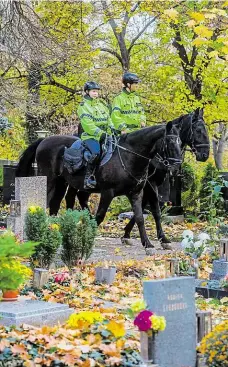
(95,118)
(127,111)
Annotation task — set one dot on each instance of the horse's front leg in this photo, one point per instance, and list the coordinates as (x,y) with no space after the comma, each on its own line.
(70,197)
(131,223)
(83,197)
(105,201)
(156,211)
(136,202)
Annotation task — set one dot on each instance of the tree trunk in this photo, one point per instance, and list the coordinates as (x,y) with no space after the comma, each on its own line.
(219,144)
(33,99)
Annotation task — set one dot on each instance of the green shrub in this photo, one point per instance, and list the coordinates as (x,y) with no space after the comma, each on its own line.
(119,205)
(211,201)
(40,227)
(190,188)
(188,176)
(78,230)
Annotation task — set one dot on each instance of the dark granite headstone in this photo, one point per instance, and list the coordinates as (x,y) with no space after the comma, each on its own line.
(8,183)
(174,298)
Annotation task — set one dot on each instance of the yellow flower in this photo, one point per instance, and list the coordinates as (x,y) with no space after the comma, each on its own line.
(54,226)
(84,319)
(116,328)
(158,323)
(33,209)
(138,306)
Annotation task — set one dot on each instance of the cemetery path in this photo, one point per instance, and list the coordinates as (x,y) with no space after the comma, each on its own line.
(112,249)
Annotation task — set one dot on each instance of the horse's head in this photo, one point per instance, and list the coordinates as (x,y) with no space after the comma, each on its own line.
(196,136)
(168,148)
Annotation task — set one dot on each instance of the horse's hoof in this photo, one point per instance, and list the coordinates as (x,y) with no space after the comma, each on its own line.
(164,240)
(127,241)
(166,246)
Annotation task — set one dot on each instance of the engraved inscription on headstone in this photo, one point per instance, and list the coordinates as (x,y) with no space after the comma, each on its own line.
(174,298)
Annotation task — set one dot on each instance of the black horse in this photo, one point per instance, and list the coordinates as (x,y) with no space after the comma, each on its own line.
(192,133)
(124,174)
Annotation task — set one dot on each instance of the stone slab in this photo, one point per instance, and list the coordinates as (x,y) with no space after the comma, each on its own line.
(33,312)
(174,298)
(175,218)
(220,269)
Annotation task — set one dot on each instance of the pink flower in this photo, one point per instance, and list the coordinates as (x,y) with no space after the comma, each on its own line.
(61,277)
(143,320)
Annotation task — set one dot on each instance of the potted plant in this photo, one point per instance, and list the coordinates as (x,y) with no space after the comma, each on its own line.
(12,272)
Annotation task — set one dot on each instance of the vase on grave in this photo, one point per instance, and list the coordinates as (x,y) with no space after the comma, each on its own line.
(147,347)
(220,267)
(105,275)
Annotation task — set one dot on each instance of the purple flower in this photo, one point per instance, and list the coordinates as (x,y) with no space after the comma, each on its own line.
(143,320)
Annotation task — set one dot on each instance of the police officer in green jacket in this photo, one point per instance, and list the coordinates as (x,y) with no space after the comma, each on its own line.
(127,111)
(95,119)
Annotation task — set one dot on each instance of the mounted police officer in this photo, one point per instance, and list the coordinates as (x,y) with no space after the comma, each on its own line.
(95,119)
(127,111)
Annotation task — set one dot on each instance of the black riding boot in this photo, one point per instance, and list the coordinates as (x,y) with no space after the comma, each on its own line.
(90,180)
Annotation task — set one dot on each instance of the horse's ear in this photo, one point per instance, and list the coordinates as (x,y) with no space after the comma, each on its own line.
(196,113)
(169,126)
(201,112)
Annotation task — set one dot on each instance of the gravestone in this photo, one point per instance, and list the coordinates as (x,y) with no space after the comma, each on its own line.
(33,312)
(174,298)
(9,172)
(29,191)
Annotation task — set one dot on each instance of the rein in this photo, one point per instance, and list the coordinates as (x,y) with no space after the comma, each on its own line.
(157,157)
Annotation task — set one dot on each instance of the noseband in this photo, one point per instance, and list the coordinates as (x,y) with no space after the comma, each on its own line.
(190,137)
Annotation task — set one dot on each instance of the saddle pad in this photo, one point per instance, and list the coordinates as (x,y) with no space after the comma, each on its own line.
(107,151)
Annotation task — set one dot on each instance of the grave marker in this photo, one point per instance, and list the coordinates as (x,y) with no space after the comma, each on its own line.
(29,191)
(174,298)
(9,172)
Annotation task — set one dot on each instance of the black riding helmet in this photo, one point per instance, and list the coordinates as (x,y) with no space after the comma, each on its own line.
(130,78)
(91,85)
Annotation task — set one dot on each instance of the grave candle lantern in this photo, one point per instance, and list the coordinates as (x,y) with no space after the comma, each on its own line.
(15,208)
(204,324)
(224,249)
(172,267)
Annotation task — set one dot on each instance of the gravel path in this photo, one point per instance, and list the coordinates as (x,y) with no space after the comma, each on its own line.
(112,249)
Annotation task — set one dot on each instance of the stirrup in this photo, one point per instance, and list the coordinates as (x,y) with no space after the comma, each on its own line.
(90,182)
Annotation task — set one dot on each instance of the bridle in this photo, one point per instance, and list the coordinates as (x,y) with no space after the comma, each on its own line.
(166,161)
(190,137)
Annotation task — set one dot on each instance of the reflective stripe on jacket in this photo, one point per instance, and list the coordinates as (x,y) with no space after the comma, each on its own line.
(127,111)
(95,118)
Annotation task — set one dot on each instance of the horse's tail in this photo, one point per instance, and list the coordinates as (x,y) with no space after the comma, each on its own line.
(27,158)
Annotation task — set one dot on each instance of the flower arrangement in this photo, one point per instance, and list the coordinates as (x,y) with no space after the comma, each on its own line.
(146,320)
(84,319)
(195,246)
(214,346)
(61,278)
